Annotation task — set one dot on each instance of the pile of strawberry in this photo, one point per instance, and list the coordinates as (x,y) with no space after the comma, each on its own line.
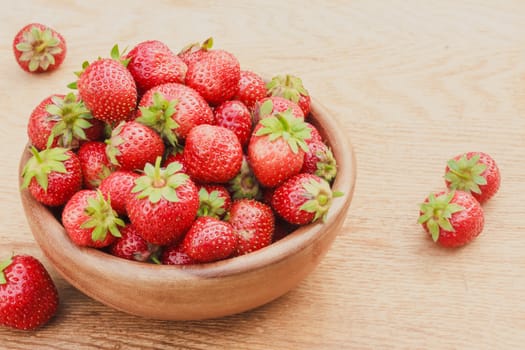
(178,158)
(454,217)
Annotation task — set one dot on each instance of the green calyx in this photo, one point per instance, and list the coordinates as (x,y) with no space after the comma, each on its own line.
(102,218)
(71,117)
(465,174)
(327,165)
(3,265)
(205,46)
(39,48)
(320,196)
(436,213)
(159,116)
(285,125)
(244,184)
(287,86)
(210,204)
(158,183)
(42,163)
(113,142)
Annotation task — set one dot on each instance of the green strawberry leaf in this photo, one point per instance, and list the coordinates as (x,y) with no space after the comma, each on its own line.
(466,173)
(102,218)
(42,163)
(285,125)
(3,265)
(159,116)
(436,213)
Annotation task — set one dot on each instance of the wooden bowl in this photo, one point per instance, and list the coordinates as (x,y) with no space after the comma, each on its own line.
(199,291)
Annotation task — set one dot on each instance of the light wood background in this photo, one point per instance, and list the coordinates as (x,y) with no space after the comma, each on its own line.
(412,82)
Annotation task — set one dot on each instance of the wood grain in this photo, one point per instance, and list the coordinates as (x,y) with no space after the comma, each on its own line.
(412,83)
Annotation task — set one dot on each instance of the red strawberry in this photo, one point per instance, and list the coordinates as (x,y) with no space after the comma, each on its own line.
(108,89)
(132,246)
(244,184)
(234,115)
(319,160)
(173,110)
(52,175)
(117,186)
(276,148)
(452,218)
(174,254)
(303,199)
(28,295)
(39,48)
(214,201)
(132,145)
(195,51)
(269,106)
(212,154)
(94,162)
(252,88)
(473,172)
(282,229)
(291,88)
(215,76)
(209,239)
(90,221)
(163,204)
(152,63)
(177,155)
(254,223)
(315,136)
(67,118)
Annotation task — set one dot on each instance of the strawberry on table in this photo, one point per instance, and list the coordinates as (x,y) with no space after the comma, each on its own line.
(52,175)
(212,154)
(39,48)
(254,223)
(473,172)
(132,246)
(117,186)
(214,201)
(90,221)
(276,148)
(28,295)
(209,240)
(291,88)
(234,115)
(173,110)
(152,63)
(108,89)
(94,163)
(163,203)
(67,118)
(252,88)
(303,199)
(452,218)
(132,145)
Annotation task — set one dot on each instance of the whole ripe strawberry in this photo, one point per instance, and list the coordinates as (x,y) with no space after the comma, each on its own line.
(254,223)
(108,89)
(67,118)
(209,240)
(269,106)
(52,175)
(473,172)
(39,48)
(194,52)
(244,184)
(28,295)
(152,63)
(90,221)
(132,246)
(212,154)
(117,186)
(319,160)
(163,203)
(173,110)
(132,145)
(234,115)
(214,201)
(174,254)
(252,88)
(215,77)
(94,162)
(452,218)
(276,148)
(303,199)
(291,88)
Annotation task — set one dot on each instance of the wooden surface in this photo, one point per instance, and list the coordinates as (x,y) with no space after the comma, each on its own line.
(412,84)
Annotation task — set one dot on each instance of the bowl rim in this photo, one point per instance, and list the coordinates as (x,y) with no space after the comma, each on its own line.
(291,244)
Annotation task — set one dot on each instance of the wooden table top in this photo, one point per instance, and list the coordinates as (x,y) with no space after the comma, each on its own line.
(412,84)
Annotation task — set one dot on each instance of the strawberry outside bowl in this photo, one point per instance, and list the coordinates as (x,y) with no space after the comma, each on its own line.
(200,291)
